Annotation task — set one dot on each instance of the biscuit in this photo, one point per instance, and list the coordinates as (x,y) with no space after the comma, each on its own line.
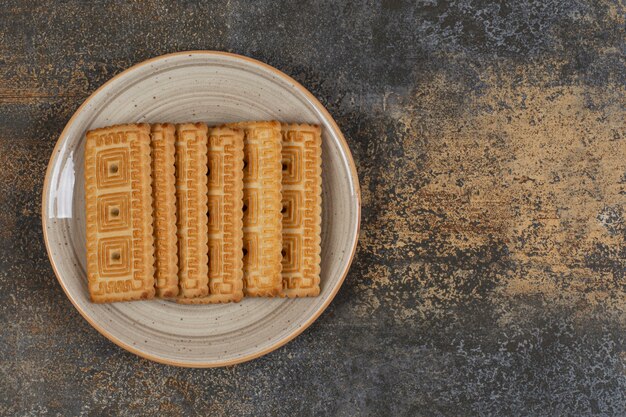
(225,195)
(191,209)
(120,251)
(302,208)
(262,220)
(163,138)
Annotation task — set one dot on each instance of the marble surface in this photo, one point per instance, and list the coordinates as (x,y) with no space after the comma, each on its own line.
(490,143)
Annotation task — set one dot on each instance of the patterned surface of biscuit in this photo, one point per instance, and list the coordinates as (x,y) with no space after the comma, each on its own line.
(191,195)
(302,200)
(262,221)
(120,251)
(163,138)
(225,196)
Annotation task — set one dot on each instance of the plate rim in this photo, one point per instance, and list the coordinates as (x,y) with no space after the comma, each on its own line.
(352,174)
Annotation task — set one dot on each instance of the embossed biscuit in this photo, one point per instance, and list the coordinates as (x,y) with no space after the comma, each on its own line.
(225,195)
(120,252)
(262,220)
(191,199)
(163,138)
(302,207)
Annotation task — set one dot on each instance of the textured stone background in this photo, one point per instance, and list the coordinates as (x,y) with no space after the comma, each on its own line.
(491,147)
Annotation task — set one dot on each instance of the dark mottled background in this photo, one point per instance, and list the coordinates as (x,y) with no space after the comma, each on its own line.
(491,147)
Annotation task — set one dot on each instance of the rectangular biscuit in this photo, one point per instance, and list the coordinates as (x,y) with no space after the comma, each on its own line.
(262,204)
(120,252)
(191,198)
(302,208)
(163,138)
(225,195)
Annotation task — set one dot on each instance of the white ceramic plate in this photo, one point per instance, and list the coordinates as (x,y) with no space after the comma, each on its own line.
(215,88)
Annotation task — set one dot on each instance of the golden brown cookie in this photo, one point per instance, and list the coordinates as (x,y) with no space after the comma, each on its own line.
(163,138)
(191,199)
(262,221)
(120,251)
(225,195)
(302,207)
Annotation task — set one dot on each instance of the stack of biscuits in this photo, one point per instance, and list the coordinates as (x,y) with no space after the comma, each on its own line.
(203,214)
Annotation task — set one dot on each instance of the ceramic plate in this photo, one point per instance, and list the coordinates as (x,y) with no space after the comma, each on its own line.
(215,88)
